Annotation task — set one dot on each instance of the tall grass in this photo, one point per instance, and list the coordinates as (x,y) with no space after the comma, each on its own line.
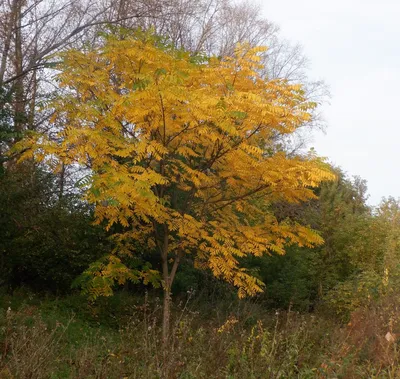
(121,338)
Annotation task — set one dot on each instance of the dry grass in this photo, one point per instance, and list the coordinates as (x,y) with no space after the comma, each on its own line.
(234,343)
(238,340)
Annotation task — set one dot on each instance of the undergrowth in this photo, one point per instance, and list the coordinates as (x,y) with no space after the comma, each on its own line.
(120,337)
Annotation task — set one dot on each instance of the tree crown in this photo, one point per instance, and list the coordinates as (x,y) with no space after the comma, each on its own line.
(182,154)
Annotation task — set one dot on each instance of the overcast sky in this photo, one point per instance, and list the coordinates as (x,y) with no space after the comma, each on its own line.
(354,46)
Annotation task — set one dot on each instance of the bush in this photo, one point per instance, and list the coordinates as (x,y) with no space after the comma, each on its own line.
(45,242)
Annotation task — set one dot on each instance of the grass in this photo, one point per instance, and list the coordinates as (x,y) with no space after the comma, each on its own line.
(120,337)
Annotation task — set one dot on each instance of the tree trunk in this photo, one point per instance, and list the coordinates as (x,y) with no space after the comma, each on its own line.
(62,182)
(166,303)
(19,101)
(166,315)
(166,319)
(168,274)
(9,26)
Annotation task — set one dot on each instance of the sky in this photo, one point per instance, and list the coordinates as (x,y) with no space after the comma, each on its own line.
(354,46)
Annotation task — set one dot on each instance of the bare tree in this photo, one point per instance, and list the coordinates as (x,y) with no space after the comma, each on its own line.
(31,31)
(215,27)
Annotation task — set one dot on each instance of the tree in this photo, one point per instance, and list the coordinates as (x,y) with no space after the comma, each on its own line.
(304,277)
(45,243)
(181,156)
(32,31)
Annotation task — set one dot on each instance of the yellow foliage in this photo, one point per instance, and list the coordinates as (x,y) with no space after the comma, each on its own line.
(177,147)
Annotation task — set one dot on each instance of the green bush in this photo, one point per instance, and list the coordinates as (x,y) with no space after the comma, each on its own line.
(45,242)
